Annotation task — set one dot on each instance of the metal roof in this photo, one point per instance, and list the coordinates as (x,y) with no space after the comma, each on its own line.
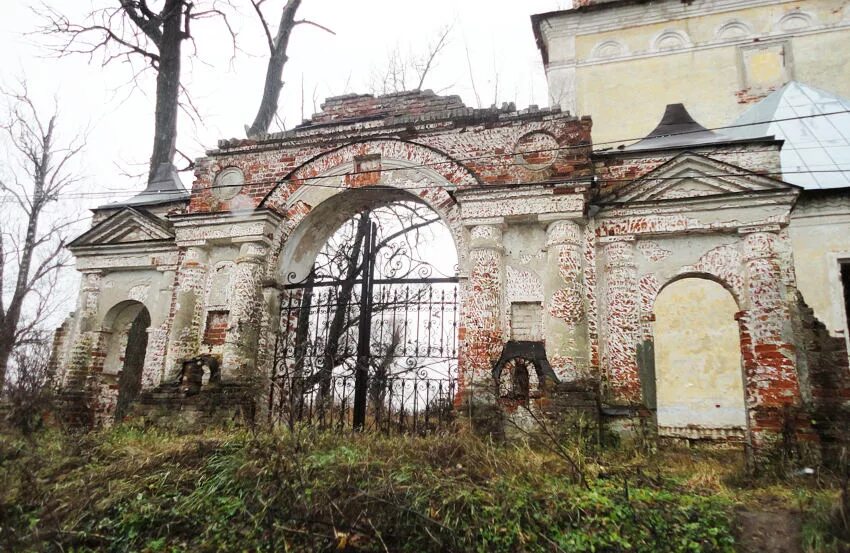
(815,126)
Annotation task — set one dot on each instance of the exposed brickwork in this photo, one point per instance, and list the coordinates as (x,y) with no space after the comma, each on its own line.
(747,96)
(405,104)
(827,380)
(490,145)
(215,329)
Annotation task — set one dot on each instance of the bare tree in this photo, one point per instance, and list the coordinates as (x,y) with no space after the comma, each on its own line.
(31,388)
(278,43)
(132,30)
(32,245)
(408,72)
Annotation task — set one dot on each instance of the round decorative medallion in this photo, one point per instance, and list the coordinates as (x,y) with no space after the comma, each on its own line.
(536,150)
(228,183)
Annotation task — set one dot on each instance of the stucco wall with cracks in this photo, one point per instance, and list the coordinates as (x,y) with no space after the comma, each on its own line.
(717,57)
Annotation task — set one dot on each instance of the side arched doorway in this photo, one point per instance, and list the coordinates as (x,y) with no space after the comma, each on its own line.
(699,379)
(127,324)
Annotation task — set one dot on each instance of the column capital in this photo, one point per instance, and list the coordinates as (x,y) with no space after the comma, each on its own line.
(252,252)
(618,254)
(486,237)
(195,255)
(563,231)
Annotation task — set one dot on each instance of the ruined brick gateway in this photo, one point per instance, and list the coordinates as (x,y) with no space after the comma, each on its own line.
(580,251)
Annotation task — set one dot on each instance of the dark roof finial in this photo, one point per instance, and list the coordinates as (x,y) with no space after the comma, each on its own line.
(164,186)
(677,129)
(676,120)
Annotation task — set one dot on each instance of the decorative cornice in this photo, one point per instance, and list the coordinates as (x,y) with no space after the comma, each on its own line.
(763,39)
(194,229)
(620,17)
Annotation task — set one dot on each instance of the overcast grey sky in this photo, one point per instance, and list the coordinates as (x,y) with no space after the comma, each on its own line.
(493,37)
(497,34)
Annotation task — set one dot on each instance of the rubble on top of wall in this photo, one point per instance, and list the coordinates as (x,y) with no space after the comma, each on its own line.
(410,108)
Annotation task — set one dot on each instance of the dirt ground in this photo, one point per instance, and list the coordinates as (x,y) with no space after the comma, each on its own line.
(775,531)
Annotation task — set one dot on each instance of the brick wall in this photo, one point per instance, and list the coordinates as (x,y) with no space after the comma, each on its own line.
(495,145)
(215,329)
(526,321)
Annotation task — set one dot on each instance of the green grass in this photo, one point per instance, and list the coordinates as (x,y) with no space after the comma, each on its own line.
(133,490)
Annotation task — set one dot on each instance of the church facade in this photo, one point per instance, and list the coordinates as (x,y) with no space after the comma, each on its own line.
(668,278)
(661,276)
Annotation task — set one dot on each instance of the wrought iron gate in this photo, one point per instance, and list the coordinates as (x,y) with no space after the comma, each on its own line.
(368,352)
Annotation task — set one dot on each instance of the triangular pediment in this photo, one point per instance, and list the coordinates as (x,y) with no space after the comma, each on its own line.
(691,175)
(127,226)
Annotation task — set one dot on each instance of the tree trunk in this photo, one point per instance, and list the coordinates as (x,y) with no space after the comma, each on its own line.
(167,87)
(7,344)
(346,290)
(277,59)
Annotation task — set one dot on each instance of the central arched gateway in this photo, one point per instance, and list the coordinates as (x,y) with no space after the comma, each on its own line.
(369,315)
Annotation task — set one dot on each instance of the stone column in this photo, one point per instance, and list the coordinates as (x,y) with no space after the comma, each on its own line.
(565,321)
(620,321)
(482,333)
(246,299)
(188,308)
(154,369)
(87,349)
(86,356)
(766,341)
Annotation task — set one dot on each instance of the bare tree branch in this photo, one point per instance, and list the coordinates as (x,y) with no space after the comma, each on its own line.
(432,56)
(134,30)
(278,44)
(32,256)
(395,74)
(314,24)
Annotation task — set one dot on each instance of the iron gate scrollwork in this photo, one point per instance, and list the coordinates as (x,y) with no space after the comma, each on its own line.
(373,349)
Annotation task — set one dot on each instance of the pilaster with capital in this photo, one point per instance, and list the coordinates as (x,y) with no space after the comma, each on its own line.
(482,333)
(767,338)
(565,319)
(87,349)
(246,306)
(620,321)
(187,308)
(155,367)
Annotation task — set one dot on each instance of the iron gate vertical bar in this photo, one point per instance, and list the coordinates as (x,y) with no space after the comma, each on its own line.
(361,375)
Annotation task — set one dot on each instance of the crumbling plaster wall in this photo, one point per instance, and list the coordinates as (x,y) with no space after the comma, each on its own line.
(820,236)
(97,338)
(738,240)
(493,146)
(294,173)
(534,261)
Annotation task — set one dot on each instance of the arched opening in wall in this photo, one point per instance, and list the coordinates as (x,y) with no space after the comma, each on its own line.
(368,335)
(518,380)
(127,324)
(699,379)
